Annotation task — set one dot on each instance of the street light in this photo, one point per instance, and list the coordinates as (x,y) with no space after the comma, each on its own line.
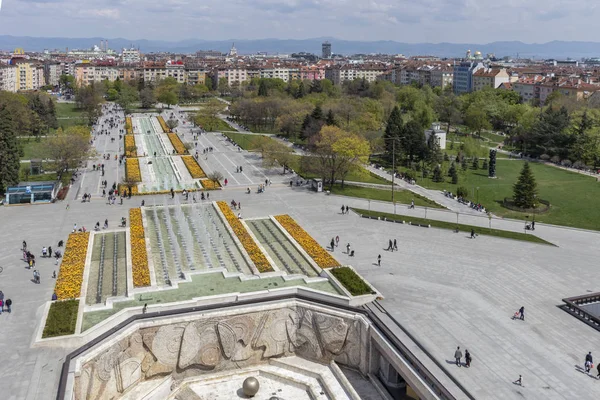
(477,194)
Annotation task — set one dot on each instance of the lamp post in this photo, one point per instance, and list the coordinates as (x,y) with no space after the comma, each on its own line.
(477,194)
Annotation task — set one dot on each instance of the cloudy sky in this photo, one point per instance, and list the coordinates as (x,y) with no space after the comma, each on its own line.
(460,21)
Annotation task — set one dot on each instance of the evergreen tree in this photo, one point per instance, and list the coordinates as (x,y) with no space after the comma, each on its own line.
(301,92)
(9,149)
(330,120)
(393,129)
(434,152)
(475,163)
(525,190)
(262,88)
(463,164)
(485,164)
(437,174)
(317,113)
(452,169)
(454,176)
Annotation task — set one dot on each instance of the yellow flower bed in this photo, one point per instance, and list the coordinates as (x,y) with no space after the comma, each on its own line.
(70,276)
(163,124)
(193,166)
(256,255)
(208,184)
(310,245)
(129,145)
(132,169)
(122,187)
(177,143)
(128,126)
(139,256)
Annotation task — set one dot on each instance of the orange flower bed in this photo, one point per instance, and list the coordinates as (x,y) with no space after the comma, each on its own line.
(256,255)
(177,143)
(163,124)
(139,255)
(130,148)
(70,275)
(192,165)
(208,184)
(310,245)
(128,126)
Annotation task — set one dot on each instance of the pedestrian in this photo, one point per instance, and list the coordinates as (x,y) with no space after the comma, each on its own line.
(412,204)
(343,212)
(346,206)
(379,260)
(519,381)
(589,361)
(332,244)
(522,313)
(24,245)
(1,306)
(457,356)
(145,308)
(533,225)
(395,245)
(467,358)
(9,304)
(390,246)
(348,248)
(598,367)
(472,233)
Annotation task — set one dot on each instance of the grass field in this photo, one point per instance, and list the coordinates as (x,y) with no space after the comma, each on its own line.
(68,110)
(452,226)
(400,196)
(573,197)
(32,148)
(245,140)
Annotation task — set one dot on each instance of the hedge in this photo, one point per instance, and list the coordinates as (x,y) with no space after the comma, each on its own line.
(351,281)
(62,318)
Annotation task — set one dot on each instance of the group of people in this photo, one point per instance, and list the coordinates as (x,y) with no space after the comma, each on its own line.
(458,357)
(236,205)
(5,303)
(345,210)
(589,364)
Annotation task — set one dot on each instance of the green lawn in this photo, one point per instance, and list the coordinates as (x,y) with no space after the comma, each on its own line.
(573,197)
(32,148)
(452,226)
(400,196)
(68,110)
(246,141)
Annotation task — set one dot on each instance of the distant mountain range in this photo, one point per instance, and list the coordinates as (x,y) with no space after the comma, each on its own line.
(554,49)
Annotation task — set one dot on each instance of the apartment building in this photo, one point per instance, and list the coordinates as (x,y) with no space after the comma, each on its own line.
(87,73)
(489,78)
(442,77)
(463,76)
(130,56)
(340,74)
(525,86)
(52,73)
(8,77)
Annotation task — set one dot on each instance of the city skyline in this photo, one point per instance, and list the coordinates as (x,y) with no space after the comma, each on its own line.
(453,21)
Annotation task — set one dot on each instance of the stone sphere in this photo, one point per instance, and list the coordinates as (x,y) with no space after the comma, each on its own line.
(250,386)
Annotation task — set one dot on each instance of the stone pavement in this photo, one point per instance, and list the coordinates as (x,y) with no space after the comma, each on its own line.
(446,289)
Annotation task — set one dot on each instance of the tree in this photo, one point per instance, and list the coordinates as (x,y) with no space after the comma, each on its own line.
(313,123)
(330,120)
(393,130)
(413,140)
(437,174)
(463,164)
(68,148)
(475,164)
(275,153)
(301,92)
(147,98)
(337,151)
(66,82)
(525,189)
(215,176)
(172,123)
(477,119)
(112,94)
(126,97)
(208,116)
(448,108)
(167,91)
(9,149)
(262,89)
(89,99)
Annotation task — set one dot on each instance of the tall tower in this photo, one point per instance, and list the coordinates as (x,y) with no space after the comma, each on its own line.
(326,50)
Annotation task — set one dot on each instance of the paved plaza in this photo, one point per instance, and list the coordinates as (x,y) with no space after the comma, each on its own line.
(447,290)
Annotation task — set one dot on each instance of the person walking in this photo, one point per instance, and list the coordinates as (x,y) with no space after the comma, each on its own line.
(395,245)
(347,209)
(589,361)
(348,248)
(343,210)
(457,356)
(390,246)
(598,367)
(412,204)
(9,304)
(519,381)
(472,233)
(467,358)
(332,244)
(522,313)
(379,260)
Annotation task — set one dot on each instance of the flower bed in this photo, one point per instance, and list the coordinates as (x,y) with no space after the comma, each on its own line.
(123,187)
(130,148)
(310,245)
(193,166)
(132,170)
(351,281)
(163,124)
(61,319)
(139,255)
(177,143)
(257,256)
(70,275)
(208,184)
(128,126)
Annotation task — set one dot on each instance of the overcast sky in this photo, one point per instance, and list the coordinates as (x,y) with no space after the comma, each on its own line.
(412,21)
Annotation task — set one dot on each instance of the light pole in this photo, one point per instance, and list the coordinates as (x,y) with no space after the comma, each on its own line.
(477,194)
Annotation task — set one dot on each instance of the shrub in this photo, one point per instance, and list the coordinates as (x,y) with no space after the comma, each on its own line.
(410,174)
(437,174)
(455,178)
(446,157)
(485,164)
(567,163)
(464,165)
(62,318)
(462,191)
(475,163)
(555,159)
(544,157)
(351,281)
(579,165)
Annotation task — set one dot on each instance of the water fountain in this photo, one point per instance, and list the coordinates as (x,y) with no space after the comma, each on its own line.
(184,234)
(173,240)
(161,248)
